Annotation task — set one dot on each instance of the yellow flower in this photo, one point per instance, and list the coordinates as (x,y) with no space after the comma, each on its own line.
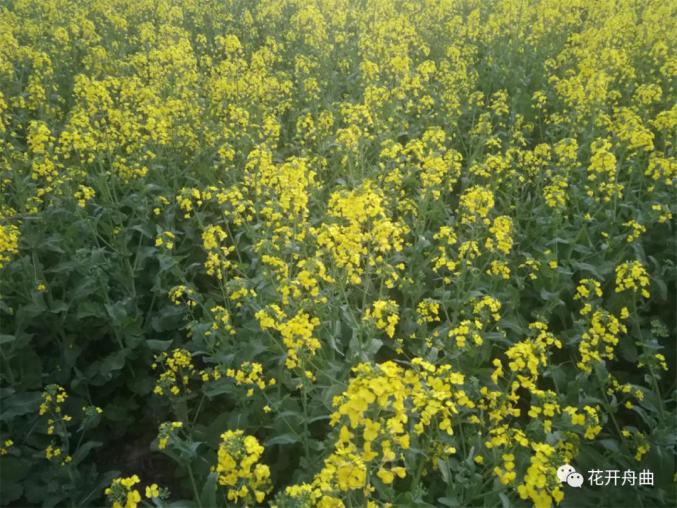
(152,491)
(238,468)
(384,315)
(9,243)
(165,239)
(475,204)
(178,369)
(632,276)
(122,492)
(84,194)
(6,445)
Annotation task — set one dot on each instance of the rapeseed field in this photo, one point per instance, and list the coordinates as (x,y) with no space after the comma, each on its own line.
(338,253)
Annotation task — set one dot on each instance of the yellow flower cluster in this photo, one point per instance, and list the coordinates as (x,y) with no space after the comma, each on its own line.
(663,213)
(9,243)
(384,315)
(362,235)
(600,340)
(444,259)
(587,291)
(250,374)
(222,319)
(57,454)
(488,307)
(177,372)
(165,240)
(660,359)
(555,194)
(53,399)
(313,177)
(182,294)
(239,470)
(5,447)
(166,432)
(428,311)
(213,239)
(122,492)
(303,281)
(662,169)
(475,204)
(630,129)
(427,160)
(603,184)
(466,330)
(281,193)
(632,276)
(188,199)
(528,357)
(296,331)
(589,419)
(84,194)
(588,288)
(639,440)
(501,229)
(384,407)
(540,485)
(506,472)
(154,491)
(636,229)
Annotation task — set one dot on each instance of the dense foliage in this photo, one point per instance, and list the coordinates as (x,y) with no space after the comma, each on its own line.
(336,252)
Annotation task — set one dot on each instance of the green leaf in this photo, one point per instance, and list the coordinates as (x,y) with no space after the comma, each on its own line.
(443,468)
(4,339)
(218,388)
(158,345)
(187,449)
(117,313)
(208,494)
(184,503)
(83,451)
(505,502)
(283,439)
(13,473)
(89,309)
(19,405)
(58,306)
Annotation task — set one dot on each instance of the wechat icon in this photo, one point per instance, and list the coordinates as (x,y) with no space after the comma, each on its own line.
(567,474)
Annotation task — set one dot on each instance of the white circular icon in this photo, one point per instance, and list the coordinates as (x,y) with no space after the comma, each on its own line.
(575,480)
(564,471)
(567,474)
